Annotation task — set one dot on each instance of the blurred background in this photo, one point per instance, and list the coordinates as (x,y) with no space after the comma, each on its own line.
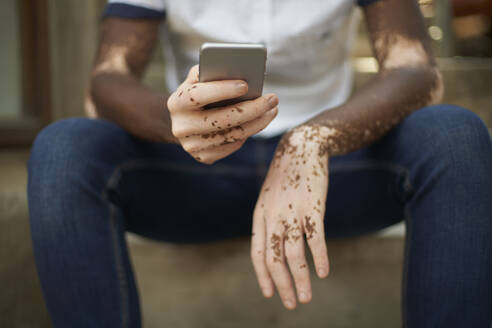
(47,49)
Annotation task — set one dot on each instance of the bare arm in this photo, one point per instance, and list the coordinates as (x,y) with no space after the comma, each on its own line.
(291,204)
(116,92)
(408,79)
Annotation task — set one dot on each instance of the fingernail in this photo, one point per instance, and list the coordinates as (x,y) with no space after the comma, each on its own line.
(267,292)
(241,85)
(322,273)
(289,304)
(303,297)
(272,101)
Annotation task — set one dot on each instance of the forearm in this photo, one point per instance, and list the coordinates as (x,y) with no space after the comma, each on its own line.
(408,79)
(379,106)
(116,92)
(138,109)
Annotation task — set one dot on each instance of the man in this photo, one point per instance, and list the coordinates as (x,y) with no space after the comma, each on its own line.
(388,152)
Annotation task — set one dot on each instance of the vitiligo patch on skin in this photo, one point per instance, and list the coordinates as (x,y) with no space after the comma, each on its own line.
(398,51)
(122,50)
(114,61)
(363,126)
(89,107)
(294,143)
(408,80)
(437,92)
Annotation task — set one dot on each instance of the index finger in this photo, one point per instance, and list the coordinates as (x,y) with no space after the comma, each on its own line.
(196,96)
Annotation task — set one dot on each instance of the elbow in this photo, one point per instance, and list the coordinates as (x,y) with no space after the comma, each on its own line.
(429,82)
(95,95)
(424,80)
(90,107)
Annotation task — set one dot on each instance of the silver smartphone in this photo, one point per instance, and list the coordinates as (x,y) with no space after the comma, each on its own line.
(234,61)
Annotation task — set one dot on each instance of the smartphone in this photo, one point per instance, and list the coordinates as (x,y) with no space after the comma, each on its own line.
(234,61)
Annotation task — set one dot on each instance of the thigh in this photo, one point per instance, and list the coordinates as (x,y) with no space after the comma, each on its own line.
(365,194)
(161,191)
(382,184)
(169,196)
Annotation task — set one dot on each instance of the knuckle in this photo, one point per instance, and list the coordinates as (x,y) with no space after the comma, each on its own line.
(263,104)
(208,161)
(274,263)
(315,244)
(298,259)
(256,256)
(320,260)
(191,147)
(180,125)
(171,102)
(238,134)
(271,263)
(293,254)
(177,131)
(188,148)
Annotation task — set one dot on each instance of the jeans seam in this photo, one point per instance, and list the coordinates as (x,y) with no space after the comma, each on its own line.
(408,185)
(112,184)
(120,270)
(115,177)
(406,256)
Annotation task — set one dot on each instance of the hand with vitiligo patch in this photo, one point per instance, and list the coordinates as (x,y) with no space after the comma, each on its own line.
(212,134)
(289,210)
(291,204)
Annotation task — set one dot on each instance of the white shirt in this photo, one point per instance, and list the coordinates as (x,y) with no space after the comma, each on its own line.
(308,43)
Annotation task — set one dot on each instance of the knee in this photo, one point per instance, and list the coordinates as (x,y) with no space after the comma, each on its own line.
(67,148)
(449,130)
(71,139)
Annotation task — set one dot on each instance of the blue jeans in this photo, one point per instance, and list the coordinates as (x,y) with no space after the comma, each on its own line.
(90,181)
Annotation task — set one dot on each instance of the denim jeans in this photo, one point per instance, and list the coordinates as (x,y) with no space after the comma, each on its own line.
(90,181)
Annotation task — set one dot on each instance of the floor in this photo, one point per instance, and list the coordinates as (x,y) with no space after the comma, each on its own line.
(214,286)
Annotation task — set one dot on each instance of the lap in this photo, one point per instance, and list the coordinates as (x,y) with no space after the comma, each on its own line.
(167,195)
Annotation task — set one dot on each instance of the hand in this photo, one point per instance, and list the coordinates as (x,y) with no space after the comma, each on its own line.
(209,135)
(292,204)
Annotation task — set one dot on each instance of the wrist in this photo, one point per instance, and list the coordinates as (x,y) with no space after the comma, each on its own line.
(167,136)
(310,137)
